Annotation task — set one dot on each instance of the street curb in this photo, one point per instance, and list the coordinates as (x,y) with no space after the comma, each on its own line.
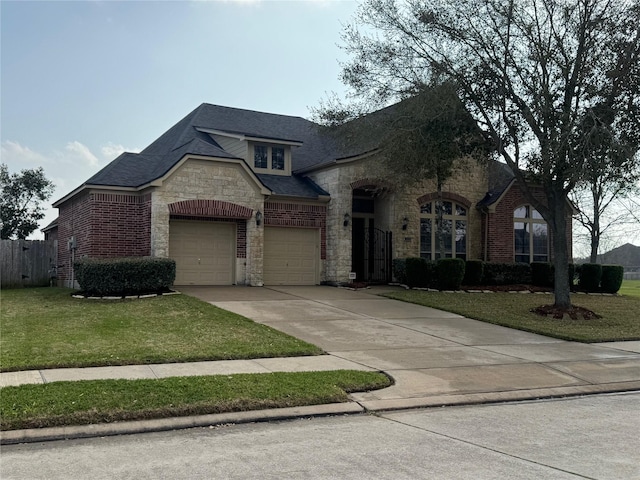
(12,437)
(35,435)
(497,397)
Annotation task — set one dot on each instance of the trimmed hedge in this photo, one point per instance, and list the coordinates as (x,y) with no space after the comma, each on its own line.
(119,276)
(612,276)
(400,270)
(542,274)
(473,272)
(506,273)
(450,272)
(590,276)
(421,272)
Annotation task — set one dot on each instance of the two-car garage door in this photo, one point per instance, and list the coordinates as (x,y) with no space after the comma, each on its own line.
(205,254)
(291,256)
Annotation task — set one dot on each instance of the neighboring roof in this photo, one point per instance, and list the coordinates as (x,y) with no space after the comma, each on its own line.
(51,226)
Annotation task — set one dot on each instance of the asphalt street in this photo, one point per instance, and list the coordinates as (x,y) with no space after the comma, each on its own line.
(593,437)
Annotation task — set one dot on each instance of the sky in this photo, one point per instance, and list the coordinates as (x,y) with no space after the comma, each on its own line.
(82,81)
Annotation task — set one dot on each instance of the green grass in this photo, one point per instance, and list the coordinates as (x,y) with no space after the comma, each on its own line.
(630,288)
(46,328)
(100,401)
(620,315)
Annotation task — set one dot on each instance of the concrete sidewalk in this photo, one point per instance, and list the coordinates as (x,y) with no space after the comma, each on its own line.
(164,370)
(436,358)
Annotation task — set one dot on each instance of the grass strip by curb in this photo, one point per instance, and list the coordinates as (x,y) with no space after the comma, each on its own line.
(104,401)
(619,320)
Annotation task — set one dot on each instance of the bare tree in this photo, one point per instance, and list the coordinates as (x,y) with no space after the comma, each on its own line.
(528,72)
(611,172)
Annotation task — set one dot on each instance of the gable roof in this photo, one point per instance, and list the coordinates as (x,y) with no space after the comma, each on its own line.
(500,179)
(133,170)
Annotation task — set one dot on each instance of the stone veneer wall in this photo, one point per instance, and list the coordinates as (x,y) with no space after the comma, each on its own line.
(469,183)
(211,180)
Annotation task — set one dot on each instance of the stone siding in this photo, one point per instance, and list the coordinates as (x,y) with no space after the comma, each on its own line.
(391,207)
(209,180)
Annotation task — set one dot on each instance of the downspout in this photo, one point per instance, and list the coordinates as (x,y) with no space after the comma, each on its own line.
(485,248)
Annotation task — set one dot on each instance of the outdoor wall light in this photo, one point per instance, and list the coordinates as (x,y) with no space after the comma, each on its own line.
(347,217)
(405,223)
(258,218)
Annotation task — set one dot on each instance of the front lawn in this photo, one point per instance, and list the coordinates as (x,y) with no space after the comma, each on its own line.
(101,401)
(46,328)
(631,288)
(620,314)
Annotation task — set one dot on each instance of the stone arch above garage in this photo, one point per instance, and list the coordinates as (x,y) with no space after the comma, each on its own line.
(210,209)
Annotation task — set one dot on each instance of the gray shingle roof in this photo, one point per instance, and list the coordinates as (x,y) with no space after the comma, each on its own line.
(500,177)
(134,170)
(292,186)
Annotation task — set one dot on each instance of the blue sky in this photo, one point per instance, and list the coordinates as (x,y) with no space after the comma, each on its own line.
(84,80)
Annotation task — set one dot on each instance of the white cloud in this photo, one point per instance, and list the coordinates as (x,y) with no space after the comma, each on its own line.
(83,153)
(110,151)
(15,155)
(67,168)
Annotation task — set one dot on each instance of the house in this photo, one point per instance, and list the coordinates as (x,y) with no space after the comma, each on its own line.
(243,197)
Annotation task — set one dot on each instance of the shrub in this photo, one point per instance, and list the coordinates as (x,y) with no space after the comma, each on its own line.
(542,274)
(612,276)
(450,272)
(590,276)
(473,272)
(420,272)
(400,270)
(506,273)
(117,276)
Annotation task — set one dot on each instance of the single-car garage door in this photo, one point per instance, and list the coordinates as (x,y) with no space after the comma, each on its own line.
(291,256)
(204,252)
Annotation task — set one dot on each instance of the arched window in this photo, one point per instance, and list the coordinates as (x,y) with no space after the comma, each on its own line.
(454,227)
(531,235)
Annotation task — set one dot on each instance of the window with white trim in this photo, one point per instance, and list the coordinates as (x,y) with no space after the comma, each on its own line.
(454,228)
(266,157)
(531,235)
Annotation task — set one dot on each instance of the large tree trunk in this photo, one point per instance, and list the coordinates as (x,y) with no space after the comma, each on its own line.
(439,221)
(562,291)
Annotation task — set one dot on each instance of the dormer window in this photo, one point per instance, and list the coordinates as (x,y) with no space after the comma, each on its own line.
(260,155)
(277,158)
(268,157)
(273,159)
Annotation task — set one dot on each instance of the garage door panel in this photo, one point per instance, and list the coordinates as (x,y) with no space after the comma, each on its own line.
(291,256)
(204,252)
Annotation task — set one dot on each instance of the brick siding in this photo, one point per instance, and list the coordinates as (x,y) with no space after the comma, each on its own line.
(294,215)
(104,225)
(500,238)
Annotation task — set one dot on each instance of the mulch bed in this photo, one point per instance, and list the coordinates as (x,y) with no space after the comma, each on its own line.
(574,312)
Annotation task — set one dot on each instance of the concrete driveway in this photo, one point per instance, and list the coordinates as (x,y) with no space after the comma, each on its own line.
(435,357)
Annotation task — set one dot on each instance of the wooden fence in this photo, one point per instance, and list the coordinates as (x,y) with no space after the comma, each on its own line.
(27,263)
